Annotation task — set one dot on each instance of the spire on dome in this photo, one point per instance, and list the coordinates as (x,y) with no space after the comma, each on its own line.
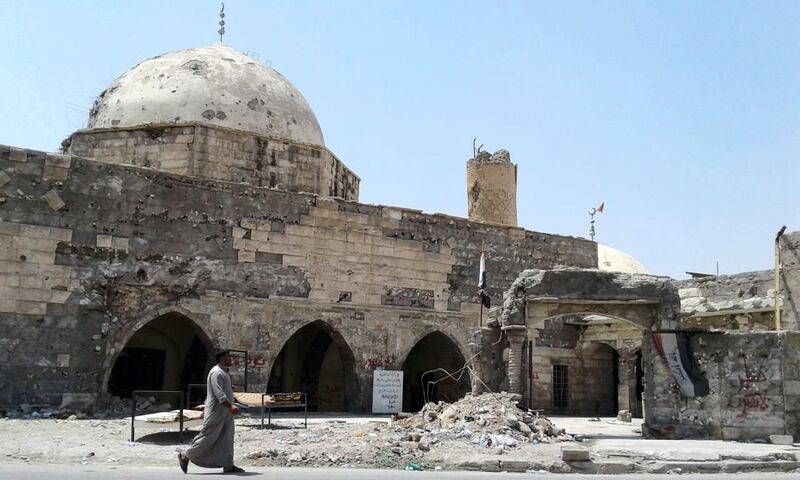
(221,30)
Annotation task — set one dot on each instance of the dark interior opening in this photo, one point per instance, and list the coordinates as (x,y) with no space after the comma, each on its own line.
(318,362)
(167,353)
(436,350)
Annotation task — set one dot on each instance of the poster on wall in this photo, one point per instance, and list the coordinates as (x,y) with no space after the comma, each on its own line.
(387,391)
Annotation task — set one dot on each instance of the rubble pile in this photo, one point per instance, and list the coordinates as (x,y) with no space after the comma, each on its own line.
(115,408)
(488,420)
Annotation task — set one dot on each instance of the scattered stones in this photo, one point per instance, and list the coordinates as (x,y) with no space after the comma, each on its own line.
(296,457)
(781,439)
(571,453)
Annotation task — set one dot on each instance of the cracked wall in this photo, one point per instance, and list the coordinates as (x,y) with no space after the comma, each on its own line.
(754,383)
(220,154)
(248,266)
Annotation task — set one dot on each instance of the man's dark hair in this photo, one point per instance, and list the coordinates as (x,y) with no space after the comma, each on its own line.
(220,354)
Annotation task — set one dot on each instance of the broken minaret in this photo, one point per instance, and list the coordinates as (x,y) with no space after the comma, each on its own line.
(492,188)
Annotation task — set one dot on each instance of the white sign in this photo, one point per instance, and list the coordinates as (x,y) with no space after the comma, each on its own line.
(387,391)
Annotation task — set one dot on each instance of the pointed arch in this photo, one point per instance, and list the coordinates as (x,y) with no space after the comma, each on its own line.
(166,348)
(431,351)
(317,360)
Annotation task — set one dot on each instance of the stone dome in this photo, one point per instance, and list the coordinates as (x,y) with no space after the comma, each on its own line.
(213,85)
(613,260)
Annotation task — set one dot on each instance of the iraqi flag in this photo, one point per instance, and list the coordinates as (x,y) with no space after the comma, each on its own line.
(676,352)
(485,300)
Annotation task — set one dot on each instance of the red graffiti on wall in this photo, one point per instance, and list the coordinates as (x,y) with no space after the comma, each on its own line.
(750,396)
(252,362)
(383,362)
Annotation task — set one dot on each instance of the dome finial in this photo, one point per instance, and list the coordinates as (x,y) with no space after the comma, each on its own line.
(221,30)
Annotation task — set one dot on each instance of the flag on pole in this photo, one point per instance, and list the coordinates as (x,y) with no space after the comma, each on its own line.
(485,300)
(601,207)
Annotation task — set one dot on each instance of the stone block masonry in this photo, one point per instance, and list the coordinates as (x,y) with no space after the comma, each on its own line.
(220,154)
(790,281)
(249,266)
(752,378)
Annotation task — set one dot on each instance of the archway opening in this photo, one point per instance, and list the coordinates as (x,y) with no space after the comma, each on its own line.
(167,353)
(600,381)
(316,360)
(436,350)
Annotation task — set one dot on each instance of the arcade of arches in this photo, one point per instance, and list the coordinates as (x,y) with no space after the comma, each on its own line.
(171,351)
(318,361)
(578,366)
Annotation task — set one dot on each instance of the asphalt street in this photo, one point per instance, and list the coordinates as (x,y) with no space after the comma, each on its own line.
(62,472)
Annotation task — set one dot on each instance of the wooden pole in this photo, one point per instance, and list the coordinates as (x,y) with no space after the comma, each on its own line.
(481,300)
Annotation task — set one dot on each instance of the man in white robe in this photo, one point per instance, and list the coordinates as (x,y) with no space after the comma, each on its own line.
(213,446)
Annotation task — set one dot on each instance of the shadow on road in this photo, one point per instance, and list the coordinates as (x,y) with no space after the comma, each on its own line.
(168,438)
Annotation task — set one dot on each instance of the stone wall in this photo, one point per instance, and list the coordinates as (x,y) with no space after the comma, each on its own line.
(790,281)
(98,250)
(589,353)
(745,301)
(754,388)
(220,154)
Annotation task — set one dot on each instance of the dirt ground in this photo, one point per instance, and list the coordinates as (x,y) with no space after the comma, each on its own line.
(446,436)
(344,442)
(488,434)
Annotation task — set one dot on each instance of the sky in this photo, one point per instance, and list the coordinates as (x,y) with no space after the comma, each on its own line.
(682,116)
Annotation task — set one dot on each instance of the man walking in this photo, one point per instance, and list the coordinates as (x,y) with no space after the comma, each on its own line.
(213,446)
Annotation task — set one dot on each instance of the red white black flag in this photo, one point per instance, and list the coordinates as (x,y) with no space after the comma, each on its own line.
(485,300)
(676,352)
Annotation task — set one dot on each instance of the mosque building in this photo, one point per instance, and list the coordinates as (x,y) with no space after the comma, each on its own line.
(200,209)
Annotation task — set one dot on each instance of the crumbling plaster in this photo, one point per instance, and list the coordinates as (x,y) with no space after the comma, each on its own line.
(137,242)
(215,85)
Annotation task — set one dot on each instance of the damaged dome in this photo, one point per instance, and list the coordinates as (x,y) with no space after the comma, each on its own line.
(613,260)
(213,85)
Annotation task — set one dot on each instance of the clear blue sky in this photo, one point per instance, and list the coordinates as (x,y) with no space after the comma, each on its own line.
(684,117)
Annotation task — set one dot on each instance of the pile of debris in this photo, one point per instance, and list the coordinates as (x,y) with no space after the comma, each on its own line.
(115,408)
(491,420)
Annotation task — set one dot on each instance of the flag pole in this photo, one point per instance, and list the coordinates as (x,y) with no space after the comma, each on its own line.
(482,297)
(778,277)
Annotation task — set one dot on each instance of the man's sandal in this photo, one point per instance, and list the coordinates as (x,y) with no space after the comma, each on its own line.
(183,463)
(233,469)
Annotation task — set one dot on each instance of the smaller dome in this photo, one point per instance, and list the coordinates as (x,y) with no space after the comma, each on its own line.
(213,85)
(613,260)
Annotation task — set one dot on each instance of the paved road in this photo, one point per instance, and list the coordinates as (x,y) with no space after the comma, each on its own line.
(61,472)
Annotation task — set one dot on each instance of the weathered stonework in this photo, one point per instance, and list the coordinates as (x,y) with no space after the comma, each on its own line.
(492,188)
(790,280)
(753,378)
(218,153)
(248,266)
(744,301)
